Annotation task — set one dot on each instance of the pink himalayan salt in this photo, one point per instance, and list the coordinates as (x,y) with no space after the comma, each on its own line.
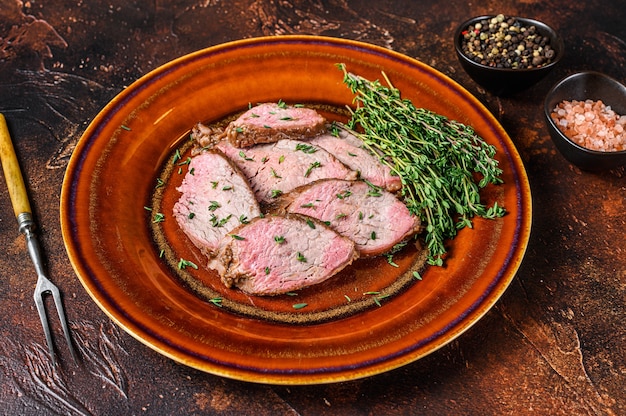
(591,124)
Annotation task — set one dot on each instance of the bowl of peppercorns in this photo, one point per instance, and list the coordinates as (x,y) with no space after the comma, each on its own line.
(505,54)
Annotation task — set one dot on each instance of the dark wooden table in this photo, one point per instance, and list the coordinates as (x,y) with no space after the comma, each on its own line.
(554,344)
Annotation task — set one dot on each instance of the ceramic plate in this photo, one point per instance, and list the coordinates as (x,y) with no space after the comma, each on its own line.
(110,239)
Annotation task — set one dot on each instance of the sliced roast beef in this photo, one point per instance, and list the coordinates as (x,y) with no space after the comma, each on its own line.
(270,122)
(371,217)
(276,168)
(350,150)
(279,254)
(215,198)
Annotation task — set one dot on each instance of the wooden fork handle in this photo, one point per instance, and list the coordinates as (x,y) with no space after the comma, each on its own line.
(12,172)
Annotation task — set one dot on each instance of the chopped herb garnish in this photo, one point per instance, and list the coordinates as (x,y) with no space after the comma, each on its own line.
(185,162)
(214,184)
(373,235)
(243,219)
(352,154)
(158,217)
(191,215)
(239,130)
(286,118)
(393,251)
(281,104)
(244,157)
(373,189)
(340,216)
(216,301)
(183,264)
(360,215)
(307,205)
(227,188)
(160,182)
(125,127)
(281,159)
(214,205)
(306,148)
(301,257)
(224,220)
(216,222)
(312,166)
(148,209)
(344,194)
(377,297)
(300,305)
(176,156)
(237,237)
(161,253)
(275,193)
(348,298)
(279,239)
(310,223)
(417,275)
(274,174)
(390,260)
(267,270)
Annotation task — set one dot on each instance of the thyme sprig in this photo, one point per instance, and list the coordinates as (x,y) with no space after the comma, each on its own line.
(442,163)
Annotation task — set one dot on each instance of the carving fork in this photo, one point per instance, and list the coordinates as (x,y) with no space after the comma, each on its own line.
(26,225)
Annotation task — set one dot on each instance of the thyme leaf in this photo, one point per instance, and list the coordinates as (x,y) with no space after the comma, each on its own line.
(306,148)
(183,264)
(312,166)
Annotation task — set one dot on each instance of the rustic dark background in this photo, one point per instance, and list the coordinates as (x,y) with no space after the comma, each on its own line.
(554,344)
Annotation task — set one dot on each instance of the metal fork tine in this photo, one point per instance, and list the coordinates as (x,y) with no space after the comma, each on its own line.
(59,306)
(44,285)
(41,309)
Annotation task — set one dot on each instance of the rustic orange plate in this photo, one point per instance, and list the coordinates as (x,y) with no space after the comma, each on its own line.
(111,178)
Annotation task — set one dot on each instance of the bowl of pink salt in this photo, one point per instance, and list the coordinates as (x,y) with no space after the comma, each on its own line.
(586,118)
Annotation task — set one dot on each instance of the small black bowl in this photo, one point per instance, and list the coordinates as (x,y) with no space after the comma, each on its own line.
(588,85)
(507,81)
